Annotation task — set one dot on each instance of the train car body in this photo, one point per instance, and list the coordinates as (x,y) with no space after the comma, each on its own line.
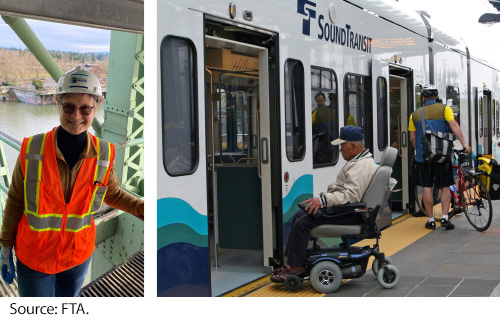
(242,140)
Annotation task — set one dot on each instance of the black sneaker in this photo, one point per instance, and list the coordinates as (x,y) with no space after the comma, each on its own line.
(430,225)
(447,224)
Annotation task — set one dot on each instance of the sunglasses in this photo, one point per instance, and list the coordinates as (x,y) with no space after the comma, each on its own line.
(69,108)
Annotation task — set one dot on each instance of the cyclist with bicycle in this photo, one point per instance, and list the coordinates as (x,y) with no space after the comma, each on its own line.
(438,117)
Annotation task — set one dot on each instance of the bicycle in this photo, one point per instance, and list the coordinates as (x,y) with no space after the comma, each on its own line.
(469,196)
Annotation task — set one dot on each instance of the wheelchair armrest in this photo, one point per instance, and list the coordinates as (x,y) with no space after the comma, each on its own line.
(342,208)
(336,209)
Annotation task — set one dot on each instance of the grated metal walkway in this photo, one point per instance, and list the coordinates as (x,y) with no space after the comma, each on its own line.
(124,280)
(9,290)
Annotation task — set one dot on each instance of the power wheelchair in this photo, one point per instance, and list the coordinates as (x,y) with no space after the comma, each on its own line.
(326,267)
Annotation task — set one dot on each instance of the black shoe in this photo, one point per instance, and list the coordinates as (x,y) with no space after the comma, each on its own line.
(430,225)
(447,224)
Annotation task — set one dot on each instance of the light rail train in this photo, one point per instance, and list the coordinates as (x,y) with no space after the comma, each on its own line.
(244,135)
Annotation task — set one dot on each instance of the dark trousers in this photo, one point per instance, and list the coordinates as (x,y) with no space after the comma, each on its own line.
(302,223)
(63,284)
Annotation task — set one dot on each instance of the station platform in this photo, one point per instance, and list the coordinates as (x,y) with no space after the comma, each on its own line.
(461,262)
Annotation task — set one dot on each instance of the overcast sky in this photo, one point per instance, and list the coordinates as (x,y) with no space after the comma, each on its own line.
(459,18)
(56,36)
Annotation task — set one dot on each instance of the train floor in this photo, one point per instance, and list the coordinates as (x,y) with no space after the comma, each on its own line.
(235,267)
(432,263)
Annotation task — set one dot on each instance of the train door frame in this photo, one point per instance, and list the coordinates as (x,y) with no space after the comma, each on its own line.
(266,147)
(479,131)
(380,70)
(487,132)
(405,76)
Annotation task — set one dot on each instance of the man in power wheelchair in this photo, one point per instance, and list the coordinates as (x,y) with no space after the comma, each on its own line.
(348,210)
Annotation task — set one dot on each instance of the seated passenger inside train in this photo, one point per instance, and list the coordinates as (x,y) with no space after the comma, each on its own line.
(350,186)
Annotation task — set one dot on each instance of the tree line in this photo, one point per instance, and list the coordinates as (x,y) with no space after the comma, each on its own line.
(20,65)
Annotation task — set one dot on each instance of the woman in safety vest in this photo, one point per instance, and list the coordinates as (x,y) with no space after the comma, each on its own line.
(60,179)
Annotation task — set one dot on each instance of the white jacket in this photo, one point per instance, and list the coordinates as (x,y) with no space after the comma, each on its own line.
(352,181)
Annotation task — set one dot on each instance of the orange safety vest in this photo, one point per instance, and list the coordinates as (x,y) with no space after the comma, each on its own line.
(53,235)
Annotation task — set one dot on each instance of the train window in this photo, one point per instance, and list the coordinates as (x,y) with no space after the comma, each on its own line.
(382,113)
(497,132)
(357,104)
(325,117)
(179,116)
(294,110)
(480,117)
(235,112)
(418,96)
(453,100)
(476,108)
(493,123)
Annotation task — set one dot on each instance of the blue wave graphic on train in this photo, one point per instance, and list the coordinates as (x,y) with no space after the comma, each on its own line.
(175,210)
(182,250)
(301,190)
(302,186)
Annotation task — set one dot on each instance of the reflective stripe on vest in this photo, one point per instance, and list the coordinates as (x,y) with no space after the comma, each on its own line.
(53,222)
(34,157)
(100,173)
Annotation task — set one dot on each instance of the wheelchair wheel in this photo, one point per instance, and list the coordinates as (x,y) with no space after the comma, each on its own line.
(293,282)
(392,280)
(326,277)
(377,266)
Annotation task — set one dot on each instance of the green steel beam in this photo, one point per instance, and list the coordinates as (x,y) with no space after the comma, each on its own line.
(12,142)
(129,143)
(124,107)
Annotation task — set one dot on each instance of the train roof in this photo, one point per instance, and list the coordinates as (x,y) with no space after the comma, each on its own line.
(400,14)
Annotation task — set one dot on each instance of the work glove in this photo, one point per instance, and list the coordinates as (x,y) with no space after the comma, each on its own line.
(7,264)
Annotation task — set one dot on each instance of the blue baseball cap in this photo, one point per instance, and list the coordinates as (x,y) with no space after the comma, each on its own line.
(350,134)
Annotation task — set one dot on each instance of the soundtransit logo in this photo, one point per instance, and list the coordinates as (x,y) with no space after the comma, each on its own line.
(331,32)
(308,12)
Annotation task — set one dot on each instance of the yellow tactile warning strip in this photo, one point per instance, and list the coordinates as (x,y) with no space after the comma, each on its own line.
(403,232)
(248,287)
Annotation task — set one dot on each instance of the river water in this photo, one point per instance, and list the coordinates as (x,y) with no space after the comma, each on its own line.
(19,120)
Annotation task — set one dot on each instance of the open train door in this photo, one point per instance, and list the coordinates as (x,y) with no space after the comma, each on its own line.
(401,102)
(392,85)
(239,161)
(182,224)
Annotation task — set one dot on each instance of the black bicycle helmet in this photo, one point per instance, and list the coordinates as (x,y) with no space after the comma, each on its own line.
(429,91)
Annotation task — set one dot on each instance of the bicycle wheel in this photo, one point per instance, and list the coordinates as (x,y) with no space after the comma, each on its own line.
(437,208)
(477,201)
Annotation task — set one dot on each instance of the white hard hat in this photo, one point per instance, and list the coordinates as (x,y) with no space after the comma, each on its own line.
(80,81)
